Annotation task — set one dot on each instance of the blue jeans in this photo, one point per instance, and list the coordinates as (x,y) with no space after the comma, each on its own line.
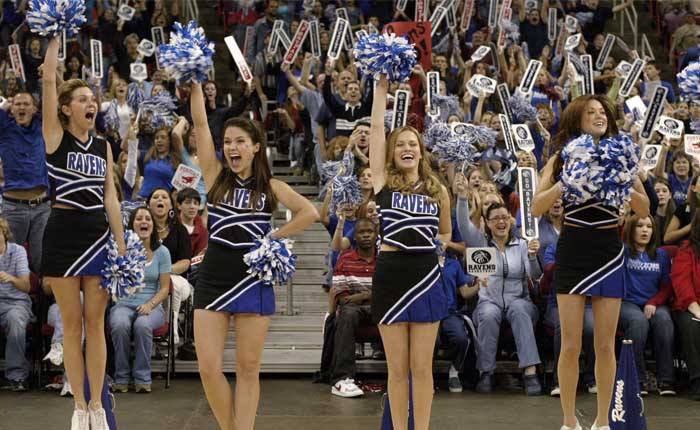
(636,327)
(551,318)
(454,337)
(15,316)
(122,318)
(27,224)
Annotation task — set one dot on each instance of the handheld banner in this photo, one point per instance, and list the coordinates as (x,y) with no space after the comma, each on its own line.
(479,83)
(570,23)
(650,157)
(96,57)
(62,47)
(563,35)
(421,13)
(587,63)
(506,12)
(299,37)
(480,53)
(467,14)
(624,68)
(239,59)
(158,36)
(481,262)
(146,48)
(185,177)
(670,127)
(249,31)
(626,406)
(605,51)
(460,128)
(526,191)
(523,137)
(401,5)
(632,77)
(341,26)
(572,42)
(530,76)
(138,72)
(283,39)
(502,37)
(451,16)
(16,61)
(493,13)
(126,12)
(504,96)
(436,19)
(349,42)
(692,145)
(315,36)
(274,40)
(400,115)
(653,112)
(552,24)
(418,34)
(507,135)
(433,89)
(359,34)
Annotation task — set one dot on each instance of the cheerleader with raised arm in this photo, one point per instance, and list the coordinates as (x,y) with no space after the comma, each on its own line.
(594,173)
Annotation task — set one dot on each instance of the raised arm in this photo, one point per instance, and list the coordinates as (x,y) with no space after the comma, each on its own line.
(205,143)
(51,126)
(176,135)
(377,140)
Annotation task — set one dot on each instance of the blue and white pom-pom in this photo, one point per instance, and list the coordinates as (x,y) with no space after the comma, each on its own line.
(344,166)
(455,150)
(619,159)
(385,54)
(346,191)
(483,136)
(123,275)
(271,260)
(449,105)
(582,176)
(689,81)
(189,53)
(51,17)
(437,131)
(134,96)
(523,110)
(161,107)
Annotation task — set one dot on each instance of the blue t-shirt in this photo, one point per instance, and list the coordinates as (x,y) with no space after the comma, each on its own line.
(644,275)
(157,173)
(159,264)
(679,189)
(23,153)
(452,278)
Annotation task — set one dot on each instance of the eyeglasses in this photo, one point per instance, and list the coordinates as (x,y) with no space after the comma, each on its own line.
(503,218)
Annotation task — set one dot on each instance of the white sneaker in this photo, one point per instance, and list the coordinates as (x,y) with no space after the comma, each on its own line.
(98,419)
(577,427)
(67,390)
(55,355)
(80,420)
(346,388)
(555,392)
(593,389)
(595,427)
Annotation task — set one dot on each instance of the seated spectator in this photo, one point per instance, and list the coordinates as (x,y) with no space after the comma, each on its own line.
(685,278)
(188,204)
(679,228)
(141,312)
(665,209)
(644,307)
(15,308)
(653,80)
(349,302)
(452,333)
(505,294)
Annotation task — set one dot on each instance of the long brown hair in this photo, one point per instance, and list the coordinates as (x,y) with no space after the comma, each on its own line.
(396,180)
(670,206)
(226,180)
(570,126)
(65,96)
(694,242)
(628,235)
(175,158)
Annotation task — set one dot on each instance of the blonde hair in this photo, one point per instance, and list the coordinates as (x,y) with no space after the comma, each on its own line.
(396,180)
(65,96)
(5,229)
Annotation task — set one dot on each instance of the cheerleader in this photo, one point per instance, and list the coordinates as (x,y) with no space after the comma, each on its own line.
(241,198)
(77,232)
(407,304)
(589,258)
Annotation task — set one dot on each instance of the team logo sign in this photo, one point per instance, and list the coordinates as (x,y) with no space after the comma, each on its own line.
(481,262)
(479,83)
(523,138)
(670,127)
(653,112)
(650,157)
(526,190)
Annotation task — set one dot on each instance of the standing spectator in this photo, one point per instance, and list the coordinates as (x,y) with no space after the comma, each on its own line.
(353,110)
(261,29)
(15,307)
(652,79)
(593,16)
(116,108)
(188,152)
(159,163)
(31,60)
(25,202)
(533,28)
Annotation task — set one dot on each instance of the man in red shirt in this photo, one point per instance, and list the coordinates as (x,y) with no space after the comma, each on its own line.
(188,202)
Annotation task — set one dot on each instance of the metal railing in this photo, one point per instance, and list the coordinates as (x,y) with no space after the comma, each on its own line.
(629,14)
(647,52)
(190,10)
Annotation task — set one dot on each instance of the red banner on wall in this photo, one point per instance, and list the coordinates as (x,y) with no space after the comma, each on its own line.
(418,33)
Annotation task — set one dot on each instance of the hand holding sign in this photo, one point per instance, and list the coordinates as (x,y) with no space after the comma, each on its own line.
(532,247)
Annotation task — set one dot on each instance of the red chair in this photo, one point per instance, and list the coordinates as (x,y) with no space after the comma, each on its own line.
(165,334)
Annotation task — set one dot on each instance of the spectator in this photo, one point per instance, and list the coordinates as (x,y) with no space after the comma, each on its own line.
(593,16)
(159,163)
(188,152)
(352,110)
(188,204)
(217,114)
(652,80)
(679,228)
(141,312)
(115,106)
(31,60)
(350,299)
(647,292)
(25,203)
(665,209)
(55,354)
(686,36)
(674,17)
(533,28)
(15,308)
(685,278)
(680,175)
(261,29)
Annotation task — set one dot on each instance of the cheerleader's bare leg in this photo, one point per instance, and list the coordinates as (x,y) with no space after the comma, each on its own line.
(571,317)
(606,312)
(396,338)
(96,299)
(422,346)
(251,330)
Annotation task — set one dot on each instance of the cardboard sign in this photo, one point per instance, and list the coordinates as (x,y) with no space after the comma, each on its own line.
(349,42)
(436,19)
(16,60)
(507,135)
(493,13)
(401,102)
(692,145)
(96,58)
(467,14)
(504,96)
(185,177)
(552,24)
(605,51)
(650,157)
(299,37)
(530,76)
(418,33)
(527,178)
(481,262)
(460,128)
(157,36)
(139,72)
(315,36)
(62,47)
(572,42)
(570,23)
(401,5)
(670,127)
(530,4)
(239,59)
(624,68)
(283,39)
(341,26)
(274,39)
(506,12)
(587,63)
(421,13)
(632,77)
(433,89)
(523,137)
(146,48)
(126,12)
(653,112)
(360,34)
(249,31)
(480,83)
(502,37)
(563,34)
(451,16)
(480,53)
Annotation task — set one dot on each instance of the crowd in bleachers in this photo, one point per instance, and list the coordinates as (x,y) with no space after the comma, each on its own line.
(319,110)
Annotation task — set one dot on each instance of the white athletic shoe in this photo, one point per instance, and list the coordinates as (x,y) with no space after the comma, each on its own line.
(67,390)
(98,419)
(55,355)
(595,427)
(80,420)
(577,427)
(346,388)
(556,391)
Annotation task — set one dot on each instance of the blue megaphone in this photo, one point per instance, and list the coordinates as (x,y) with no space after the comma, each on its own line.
(386,417)
(627,406)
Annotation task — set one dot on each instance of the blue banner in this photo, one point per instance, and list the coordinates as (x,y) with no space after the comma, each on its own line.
(627,407)
(107,402)
(386,418)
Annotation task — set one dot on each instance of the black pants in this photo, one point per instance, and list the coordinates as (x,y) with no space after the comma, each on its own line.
(690,337)
(454,337)
(349,318)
